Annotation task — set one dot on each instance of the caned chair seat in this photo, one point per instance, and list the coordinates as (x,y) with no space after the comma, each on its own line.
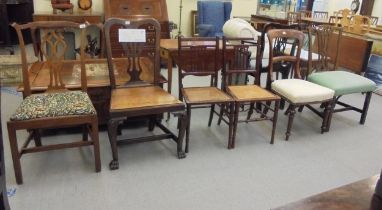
(251,93)
(141,97)
(204,95)
(343,82)
(54,105)
(301,91)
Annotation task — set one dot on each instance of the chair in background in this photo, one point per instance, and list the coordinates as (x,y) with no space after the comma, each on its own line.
(306,13)
(360,24)
(294,18)
(341,82)
(343,17)
(199,57)
(141,96)
(373,20)
(211,17)
(236,52)
(297,92)
(57,107)
(320,15)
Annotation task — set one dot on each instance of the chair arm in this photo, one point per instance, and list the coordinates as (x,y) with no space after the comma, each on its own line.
(206,30)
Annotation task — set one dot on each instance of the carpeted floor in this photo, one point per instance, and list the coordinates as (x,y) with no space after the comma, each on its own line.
(255,175)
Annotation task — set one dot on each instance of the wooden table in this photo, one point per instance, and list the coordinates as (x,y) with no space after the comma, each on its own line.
(316,21)
(168,48)
(97,79)
(354,196)
(78,17)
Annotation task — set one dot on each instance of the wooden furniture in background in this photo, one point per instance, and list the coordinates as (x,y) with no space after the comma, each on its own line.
(78,17)
(58,107)
(259,21)
(237,64)
(354,196)
(374,20)
(305,13)
(320,14)
(199,56)
(63,5)
(140,97)
(294,17)
(19,11)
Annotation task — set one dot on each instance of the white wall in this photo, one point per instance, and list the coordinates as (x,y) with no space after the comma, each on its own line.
(335,5)
(377,11)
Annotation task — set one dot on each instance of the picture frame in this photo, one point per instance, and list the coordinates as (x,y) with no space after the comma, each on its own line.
(194,23)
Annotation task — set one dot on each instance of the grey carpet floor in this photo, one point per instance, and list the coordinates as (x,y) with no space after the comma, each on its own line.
(254,175)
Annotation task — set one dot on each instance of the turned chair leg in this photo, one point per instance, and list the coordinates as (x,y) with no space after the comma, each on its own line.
(222,107)
(15,154)
(274,121)
(211,115)
(235,122)
(188,124)
(331,111)
(250,111)
(37,137)
(365,108)
(183,121)
(112,132)
(325,119)
(231,124)
(292,112)
(95,140)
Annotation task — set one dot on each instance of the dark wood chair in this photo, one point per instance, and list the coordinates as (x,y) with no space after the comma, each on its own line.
(57,107)
(306,13)
(324,72)
(141,96)
(199,56)
(297,92)
(320,14)
(236,52)
(294,18)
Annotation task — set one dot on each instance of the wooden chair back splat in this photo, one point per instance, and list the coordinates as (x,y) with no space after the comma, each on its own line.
(57,107)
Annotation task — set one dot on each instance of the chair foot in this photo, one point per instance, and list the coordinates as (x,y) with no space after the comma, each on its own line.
(114,165)
(181,155)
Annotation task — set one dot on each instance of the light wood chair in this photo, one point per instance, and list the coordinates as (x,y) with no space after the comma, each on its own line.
(57,107)
(141,96)
(360,24)
(200,57)
(236,52)
(297,92)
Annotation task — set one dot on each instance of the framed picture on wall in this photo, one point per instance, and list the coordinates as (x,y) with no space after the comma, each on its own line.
(194,23)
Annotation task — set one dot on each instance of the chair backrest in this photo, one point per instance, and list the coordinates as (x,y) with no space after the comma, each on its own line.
(360,23)
(306,13)
(344,16)
(50,46)
(198,56)
(285,37)
(236,56)
(324,41)
(294,17)
(139,40)
(214,12)
(320,14)
(373,20)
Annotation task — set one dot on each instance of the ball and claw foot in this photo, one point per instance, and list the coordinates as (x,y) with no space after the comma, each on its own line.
(114,165)
(181,155)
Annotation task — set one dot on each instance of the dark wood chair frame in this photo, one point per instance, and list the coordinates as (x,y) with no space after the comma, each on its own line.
(238,63)
(133,52)
(278,35)
(88,122)
(322,43)
(201,60)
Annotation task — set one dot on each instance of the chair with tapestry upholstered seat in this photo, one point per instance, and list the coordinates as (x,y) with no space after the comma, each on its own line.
(297,92)
(211,17)
(140,96)
(324,72)
(57,107)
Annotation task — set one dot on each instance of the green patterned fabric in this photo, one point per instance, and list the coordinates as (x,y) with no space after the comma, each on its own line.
(343,82)
(54,105)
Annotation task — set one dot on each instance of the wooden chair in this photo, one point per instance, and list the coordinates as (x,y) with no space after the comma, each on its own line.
(341,82)
(141,95)
(373,20)
(236,52)
(297,92)
(343,17)
(199,57)
(294,18)
(360,23)
(57,107)
(306,13)
(320,15)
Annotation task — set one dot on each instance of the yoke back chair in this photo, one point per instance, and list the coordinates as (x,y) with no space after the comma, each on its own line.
(141,95)
(320,14)
(57,107)
(341,82)
(198,56)
(236,52)
(295,91)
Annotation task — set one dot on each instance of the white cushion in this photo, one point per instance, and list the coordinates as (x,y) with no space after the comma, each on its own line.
(237,27)
(301,91)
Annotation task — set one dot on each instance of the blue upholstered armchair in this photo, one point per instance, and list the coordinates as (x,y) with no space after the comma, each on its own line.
(211,17)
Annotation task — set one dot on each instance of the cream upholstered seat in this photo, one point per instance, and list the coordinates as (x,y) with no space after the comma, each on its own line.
(301,91)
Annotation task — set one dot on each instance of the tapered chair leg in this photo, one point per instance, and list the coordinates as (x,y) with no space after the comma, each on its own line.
(292,112)
(183,124)
(231,124)
(250,111)
(188,124)
(325,120)
(37,137)
(365,108)
(85,133)
(112,132)
(274,121)
(211,115)
(222,107)
(235,121)
(331,111)
(95,140)
(15,154)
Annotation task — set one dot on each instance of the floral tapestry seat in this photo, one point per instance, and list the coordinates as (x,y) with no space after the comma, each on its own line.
(54,105)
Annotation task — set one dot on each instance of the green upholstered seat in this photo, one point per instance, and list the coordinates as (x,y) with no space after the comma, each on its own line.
(343,82)
(54,105)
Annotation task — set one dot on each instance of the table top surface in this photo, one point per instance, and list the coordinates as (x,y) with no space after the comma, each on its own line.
(75,13)
(354,196)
